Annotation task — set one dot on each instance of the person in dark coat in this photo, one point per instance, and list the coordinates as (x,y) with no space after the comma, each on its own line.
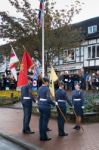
(3,82)
(61,99)
(44,104)
(26,100)
(78,104)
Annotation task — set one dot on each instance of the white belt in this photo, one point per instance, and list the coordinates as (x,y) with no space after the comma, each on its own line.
(26,98)
(77,99)
(42,99)
(60,100)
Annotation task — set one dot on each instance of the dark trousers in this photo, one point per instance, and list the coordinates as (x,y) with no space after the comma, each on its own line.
(61,120)
(43,122)
(27,109)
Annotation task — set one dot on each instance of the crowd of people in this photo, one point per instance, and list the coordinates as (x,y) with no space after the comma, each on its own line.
(7,83)
(88,81)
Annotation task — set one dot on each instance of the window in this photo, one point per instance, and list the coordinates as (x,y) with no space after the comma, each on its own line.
(69,55)
(77,52)
(93,51)
(92,29)
(97,51)
(89,52)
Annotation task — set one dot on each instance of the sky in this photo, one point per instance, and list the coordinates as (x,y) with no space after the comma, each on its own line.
(90,8)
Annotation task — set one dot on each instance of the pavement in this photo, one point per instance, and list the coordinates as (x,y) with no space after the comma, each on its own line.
(11,128)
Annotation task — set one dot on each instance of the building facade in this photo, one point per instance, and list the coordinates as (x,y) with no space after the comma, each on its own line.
(83,58)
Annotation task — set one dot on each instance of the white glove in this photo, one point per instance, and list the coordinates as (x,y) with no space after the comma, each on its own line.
(82,107)
(56,103)
(36,102)
(72,107)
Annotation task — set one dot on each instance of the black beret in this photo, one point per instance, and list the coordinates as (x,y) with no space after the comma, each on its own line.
(77,84)
(45,79)
(61,83)
(29,78)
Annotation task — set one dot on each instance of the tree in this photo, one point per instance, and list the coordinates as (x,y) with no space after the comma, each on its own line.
(59,33)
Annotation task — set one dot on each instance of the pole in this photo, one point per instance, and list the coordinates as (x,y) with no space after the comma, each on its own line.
(43,67)
(62,113)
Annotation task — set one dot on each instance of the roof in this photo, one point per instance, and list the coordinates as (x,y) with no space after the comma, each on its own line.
(83,25)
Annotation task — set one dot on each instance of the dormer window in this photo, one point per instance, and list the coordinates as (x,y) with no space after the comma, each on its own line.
(92,29)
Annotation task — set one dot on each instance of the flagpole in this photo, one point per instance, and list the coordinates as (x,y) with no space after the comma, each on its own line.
(43,66)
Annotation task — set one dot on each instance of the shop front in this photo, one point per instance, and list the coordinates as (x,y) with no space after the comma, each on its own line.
(70,68)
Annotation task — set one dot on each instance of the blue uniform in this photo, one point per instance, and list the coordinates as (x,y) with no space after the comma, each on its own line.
(44,104)
(26,99)
(61,98)
(78,102)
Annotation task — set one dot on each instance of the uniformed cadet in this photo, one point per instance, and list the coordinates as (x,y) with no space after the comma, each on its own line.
(78,104)
(26,99)
(61,99)
(44,104)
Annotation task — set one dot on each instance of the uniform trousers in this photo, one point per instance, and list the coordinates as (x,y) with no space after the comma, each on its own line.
(27,109)
(43,121)
(60,119)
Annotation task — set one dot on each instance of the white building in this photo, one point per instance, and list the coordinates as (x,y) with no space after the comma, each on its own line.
(85,57)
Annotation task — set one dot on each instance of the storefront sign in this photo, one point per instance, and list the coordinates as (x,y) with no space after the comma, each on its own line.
(69,67)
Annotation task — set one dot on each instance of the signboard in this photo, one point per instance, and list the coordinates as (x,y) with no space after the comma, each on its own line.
(69,67)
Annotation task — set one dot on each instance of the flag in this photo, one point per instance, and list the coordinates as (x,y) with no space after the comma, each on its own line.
(53,75)
(13,57)
(13,71)
(25,65)
(36,73)
(53,78)
(41,9)
(36,70)
(12,64)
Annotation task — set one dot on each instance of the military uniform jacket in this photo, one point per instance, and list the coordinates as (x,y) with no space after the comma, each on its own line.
(61,97)
(26,94)
(78,101)
(44,97)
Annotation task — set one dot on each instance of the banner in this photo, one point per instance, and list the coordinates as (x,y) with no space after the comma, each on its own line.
(53,78)
(25,65)
(13,60)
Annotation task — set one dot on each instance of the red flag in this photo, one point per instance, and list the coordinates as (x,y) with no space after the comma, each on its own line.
(25,65)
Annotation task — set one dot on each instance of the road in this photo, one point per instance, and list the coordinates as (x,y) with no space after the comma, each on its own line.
(7,145)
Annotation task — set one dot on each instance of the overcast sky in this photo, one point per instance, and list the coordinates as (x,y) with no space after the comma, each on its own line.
(89,9)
